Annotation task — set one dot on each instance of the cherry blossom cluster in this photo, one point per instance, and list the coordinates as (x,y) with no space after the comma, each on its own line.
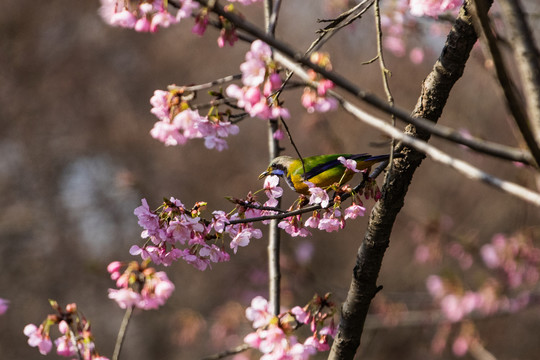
(76,339)
(457,304)
(316,99)
(139,286)
(515,257)
(506,274)
(274,334)
(432,8)
(150,15)
(511,268)
(175,232)
(145,16)
(510,273)
(178,123)
(260,80)
(465,339)
(399,17)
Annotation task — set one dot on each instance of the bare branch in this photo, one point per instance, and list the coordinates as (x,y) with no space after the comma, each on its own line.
(509,89)
(527,58)
(207,85)
(339,23)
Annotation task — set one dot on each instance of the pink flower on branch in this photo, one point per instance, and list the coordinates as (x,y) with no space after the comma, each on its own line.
(37,338)
(177,123)
(149,290)
(260,80)
(76,338)
(274,334)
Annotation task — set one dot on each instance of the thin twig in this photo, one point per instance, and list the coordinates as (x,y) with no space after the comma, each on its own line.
(229,352)
(384,73)
(292,142)
(337,24)
(207,85)
(122,333)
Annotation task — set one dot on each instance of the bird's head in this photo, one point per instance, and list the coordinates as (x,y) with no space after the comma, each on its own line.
(279,166)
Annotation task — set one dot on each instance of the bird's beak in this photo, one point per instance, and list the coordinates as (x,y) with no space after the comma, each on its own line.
(264,174)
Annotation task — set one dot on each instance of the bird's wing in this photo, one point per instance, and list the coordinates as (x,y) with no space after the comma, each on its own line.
(316,165)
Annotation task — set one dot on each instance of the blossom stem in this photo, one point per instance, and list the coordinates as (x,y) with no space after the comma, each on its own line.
(122,333)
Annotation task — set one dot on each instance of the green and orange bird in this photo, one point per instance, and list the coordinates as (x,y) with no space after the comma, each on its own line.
(323,170)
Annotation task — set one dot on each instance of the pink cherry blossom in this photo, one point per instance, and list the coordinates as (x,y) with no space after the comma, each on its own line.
(125,298)
(147,219)
(167,133)
(114,267)
(243,237)
(187,9)
(331,221)
(143,25)
(349,164)
(65,346)
(353,211)
(313,221)
(160,107)
(36,338)
(293,227)
(301,315)
(318,195)
(162,19)
(259,312)
(107,9)
(124,18)
(271,187)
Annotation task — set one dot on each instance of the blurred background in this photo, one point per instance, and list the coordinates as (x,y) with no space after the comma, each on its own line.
(76,158)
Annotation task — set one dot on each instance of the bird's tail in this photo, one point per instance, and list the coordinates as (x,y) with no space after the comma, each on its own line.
(377,158)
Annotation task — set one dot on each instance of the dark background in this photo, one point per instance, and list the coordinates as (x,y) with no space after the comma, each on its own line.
(76,158)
